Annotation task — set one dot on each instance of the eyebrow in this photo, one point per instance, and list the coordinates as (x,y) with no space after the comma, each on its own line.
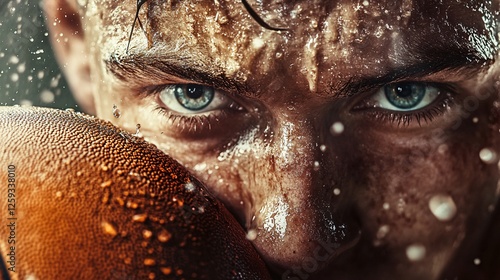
(137,67)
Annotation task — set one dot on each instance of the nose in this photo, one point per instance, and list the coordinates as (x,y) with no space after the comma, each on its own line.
(302,217)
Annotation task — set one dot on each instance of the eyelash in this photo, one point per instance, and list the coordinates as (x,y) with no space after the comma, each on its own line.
(424,115)
(191,122)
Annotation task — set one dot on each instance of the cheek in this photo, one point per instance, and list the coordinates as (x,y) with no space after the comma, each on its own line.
(431,193)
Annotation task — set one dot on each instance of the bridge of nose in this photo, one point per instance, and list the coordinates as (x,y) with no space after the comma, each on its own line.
(297,207)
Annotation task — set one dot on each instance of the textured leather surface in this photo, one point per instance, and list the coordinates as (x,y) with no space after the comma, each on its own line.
(94,202)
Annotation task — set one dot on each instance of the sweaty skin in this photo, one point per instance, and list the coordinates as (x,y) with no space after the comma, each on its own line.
(354,200)
(94,202)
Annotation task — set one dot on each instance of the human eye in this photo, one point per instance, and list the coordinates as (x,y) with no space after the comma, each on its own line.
(406,96)
(197,109)
(404,102)
(193,99)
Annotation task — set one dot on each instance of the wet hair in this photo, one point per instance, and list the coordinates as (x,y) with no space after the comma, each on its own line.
(258,19)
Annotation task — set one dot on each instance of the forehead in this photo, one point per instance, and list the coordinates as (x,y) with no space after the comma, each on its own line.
(319,37)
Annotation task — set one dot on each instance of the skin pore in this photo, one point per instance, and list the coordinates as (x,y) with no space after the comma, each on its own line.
(298,135)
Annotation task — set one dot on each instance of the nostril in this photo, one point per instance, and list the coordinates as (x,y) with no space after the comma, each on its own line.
(308,249)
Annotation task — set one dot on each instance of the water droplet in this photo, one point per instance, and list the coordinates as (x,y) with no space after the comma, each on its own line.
(21,68)
(147,234)
(106,184)
(120,201)
(200,166)
(166,270)
(491,208)
(149,262)
(382,231)
(258,43)
(488,156)
(40,75)
(14,59)
(116,112)
(336,191)
(190,187)
(316,166)
(415,252)
(25,102)
(443,148)
(164,236)
(475,120)
(47,96)
(443,207)
(251,234)
(138,130)
(105,198)
(109,229)
(30,277)
(14,77)
(322,148)
(140,218)
(132,205)
(386,206)
(104,167)
(477,261)
(337,128)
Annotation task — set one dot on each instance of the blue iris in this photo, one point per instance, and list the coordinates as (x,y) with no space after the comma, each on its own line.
(405,95)
(194,97)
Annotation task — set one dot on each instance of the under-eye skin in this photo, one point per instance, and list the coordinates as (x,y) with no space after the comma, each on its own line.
(403,103)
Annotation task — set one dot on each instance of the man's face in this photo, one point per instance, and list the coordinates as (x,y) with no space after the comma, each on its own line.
(356,139)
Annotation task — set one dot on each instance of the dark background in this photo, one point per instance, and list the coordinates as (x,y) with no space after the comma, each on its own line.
(29,74)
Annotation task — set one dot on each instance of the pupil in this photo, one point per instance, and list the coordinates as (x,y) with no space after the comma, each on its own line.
(404,91)
(194,91)
(194,97)
(405,95)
